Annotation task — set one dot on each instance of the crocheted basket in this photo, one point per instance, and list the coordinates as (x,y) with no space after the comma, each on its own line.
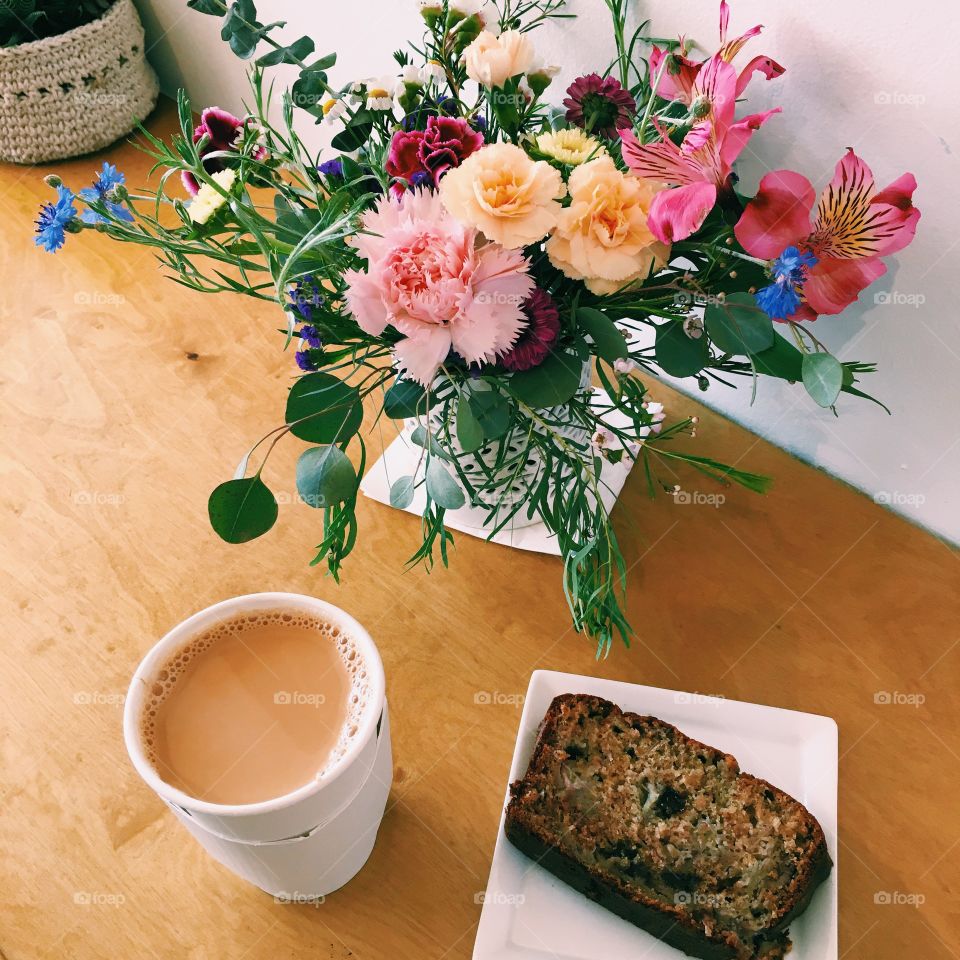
(76,92)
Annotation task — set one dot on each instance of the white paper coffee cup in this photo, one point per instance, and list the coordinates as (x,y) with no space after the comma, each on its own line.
(307,843)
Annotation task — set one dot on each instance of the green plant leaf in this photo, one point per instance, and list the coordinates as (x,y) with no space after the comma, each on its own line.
(469,431)
(405,398)
(297,51)
(421,438)
(332,406)
(607,339)
(823,377)
(442,488)
(242,510)
(401,493)
(356,133)
(490,408)
(678,354)
(738,325)
(554,382)
(242,29)
(325,476)
(213,8)
(782,360)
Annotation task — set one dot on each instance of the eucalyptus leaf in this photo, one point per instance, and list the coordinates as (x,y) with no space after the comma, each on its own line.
(421,438)
(297,51)
(213,8)
(781,360)
(678,354)
(490,409)
(325,476)
(554,382)
(608,341)
(442,488)
(823,377)
(332,407)
(405,398)
(242,510)
(356,133)
(738,326)
(401,493)
(469,432)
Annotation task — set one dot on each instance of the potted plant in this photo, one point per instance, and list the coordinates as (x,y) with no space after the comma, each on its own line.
(73,77)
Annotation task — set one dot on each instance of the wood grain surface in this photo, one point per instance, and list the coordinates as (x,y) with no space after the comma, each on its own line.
(126,398)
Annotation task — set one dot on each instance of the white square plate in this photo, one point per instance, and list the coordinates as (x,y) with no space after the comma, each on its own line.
(530,915)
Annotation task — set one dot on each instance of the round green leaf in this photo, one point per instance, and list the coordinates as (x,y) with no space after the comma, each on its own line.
(469,431)
(442,488)
(333,409)
(738,325)
(405,398)
(554,382)
(325,476)
(490,409)
(242,510)
(401,493)
(608,341)
(781,360)
(678,354)
(823,377)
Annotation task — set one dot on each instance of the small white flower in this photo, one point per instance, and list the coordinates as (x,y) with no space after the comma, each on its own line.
(433,71)
(333,110)
(412,76)
(603,440)
(380,93)
(208,200)
(526,90)
(655,410)
(623,366)
(543,70)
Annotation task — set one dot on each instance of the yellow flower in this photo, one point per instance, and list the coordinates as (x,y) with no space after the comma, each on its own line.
(571,146)
(493,60)
(602,238)
(208,201)
(512,199)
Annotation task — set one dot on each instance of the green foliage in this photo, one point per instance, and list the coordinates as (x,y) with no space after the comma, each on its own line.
(679,354)
(325,476)
(823,377)
(323,409)
(554,382)
(242,510)
(738,326)
(22,21)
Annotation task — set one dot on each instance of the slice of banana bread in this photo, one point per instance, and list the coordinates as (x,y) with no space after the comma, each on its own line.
(665,831)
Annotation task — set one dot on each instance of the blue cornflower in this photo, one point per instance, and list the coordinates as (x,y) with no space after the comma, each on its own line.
(332,168)
(108,179)
(54,219)
(781,299)
(309,335)
(421,179)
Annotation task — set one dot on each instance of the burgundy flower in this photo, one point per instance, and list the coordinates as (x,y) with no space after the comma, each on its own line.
(599,105)
(540,335)
(223,130)
(447,142)
(418,155)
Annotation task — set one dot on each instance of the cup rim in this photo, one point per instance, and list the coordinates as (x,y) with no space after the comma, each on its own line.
(179,635)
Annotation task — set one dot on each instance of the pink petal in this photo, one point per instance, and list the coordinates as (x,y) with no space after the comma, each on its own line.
(675,214)
(421,355)
(778,216)
(222,126)
(717,81)
(834,284)
(852,222)
(366,302)
(769,68)
(659,161)
(674,86)
(739,134)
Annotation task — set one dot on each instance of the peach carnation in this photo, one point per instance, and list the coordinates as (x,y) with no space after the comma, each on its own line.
(512,199)
(602,238)
(493,60)
(430,278)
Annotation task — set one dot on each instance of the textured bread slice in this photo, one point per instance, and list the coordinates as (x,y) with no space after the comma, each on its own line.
(665,831)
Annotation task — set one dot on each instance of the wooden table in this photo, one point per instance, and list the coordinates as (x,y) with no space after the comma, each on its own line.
(127,398)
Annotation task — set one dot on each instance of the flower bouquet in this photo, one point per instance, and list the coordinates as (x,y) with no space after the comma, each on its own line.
(469,255)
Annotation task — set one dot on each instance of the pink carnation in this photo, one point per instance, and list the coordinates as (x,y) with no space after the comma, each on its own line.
(428,278)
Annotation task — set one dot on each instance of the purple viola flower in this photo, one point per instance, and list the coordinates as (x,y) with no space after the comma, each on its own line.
(332,168)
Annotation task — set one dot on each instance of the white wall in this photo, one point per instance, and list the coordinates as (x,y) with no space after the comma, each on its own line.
(858,74)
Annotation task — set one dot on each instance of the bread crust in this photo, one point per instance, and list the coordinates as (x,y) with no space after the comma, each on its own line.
(671,922)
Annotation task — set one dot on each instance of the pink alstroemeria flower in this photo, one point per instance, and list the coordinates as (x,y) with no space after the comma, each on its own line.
(700,167)
(678,79)
(855,225)
(223,130)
